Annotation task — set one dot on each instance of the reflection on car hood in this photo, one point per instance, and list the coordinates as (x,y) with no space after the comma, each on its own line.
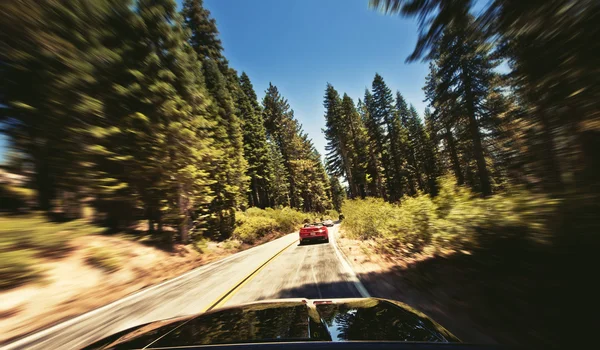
(286,320)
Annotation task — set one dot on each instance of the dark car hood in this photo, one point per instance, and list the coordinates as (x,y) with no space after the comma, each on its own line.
(286,320)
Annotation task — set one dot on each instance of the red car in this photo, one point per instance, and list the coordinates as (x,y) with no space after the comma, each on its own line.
(313,232)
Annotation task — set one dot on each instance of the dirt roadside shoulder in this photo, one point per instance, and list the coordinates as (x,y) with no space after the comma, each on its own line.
(72,286)
(384,278)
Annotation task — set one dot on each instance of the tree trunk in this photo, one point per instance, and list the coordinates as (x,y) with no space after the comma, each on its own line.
(454,157)
(150,225)
(255,201)
(183,212)
(484,179)
(553,178)
(43,184)
(159,221)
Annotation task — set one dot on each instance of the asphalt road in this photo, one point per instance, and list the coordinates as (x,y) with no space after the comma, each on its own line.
(275,270)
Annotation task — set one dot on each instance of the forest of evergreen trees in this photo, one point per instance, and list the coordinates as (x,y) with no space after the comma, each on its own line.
(533,122)
(133,105)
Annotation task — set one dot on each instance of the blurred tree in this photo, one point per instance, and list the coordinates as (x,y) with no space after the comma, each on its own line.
(411,169)
(308,183)
(230,171)
(340,132)
(430,154)
(255,142)
(433,15)
(442,120)
(357,144)
(375,136)
(464,70)
(338,194)
(205,35)
(53,57)
(164,145)
(392,144)
(551,49)
(278,193)
(423,153)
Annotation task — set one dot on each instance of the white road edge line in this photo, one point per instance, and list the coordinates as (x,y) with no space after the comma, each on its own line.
(18,343)
(357,283)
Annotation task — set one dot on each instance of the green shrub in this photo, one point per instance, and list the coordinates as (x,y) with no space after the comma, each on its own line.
(18,267)
(232,244)
(254,223)
(455,218)
(287,219)
(15,199)
(103,258)
(251,228)
(331,214)
(37,233)
(24,239)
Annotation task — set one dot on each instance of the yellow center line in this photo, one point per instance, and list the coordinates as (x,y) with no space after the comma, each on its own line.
(220,301)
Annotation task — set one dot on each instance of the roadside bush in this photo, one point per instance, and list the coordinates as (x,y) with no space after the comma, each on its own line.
(287,219)
(454,219)
(103,258)
(254,223)
(24,239)
(331,214)
(35,232)
(18,267)
(250,228)
(15,199)
(232,244)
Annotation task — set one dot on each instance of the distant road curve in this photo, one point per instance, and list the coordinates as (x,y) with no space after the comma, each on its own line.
(278,269)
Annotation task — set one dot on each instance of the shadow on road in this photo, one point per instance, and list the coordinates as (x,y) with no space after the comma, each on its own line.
(320,291)
(513,294)
(308,243)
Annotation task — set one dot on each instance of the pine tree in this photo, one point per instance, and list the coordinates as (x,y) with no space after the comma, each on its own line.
(278,189)
(416,135)
(431,154)
(308,183)
(375,181)
(205,35)
(444,118)
(230,169)
(338,195)
(53,58)
(163,110)
(466,68)
(336,133)
(412,173)
(357,144)
(255,142)
(229,175)
(392,145)
(281,130)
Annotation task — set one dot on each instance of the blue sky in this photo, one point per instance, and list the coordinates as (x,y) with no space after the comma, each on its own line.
(300,45)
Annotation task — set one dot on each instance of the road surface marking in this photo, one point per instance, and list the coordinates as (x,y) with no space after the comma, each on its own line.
(227,295)
(43,333)
(357,283)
